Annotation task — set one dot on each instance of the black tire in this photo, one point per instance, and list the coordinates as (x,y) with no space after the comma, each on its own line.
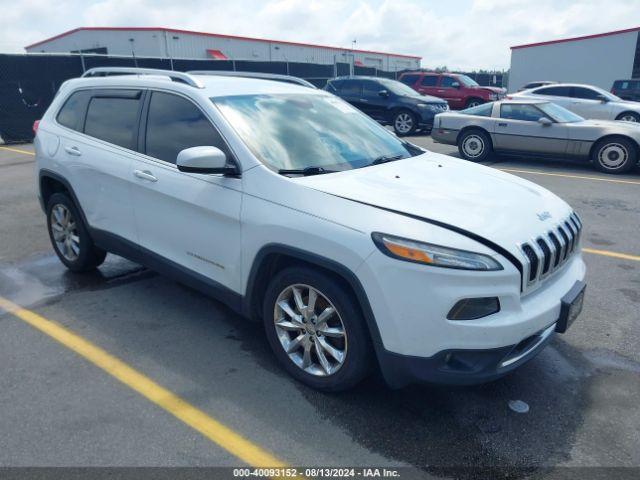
(629,116)
(88,256)
(475,145)
(402,118)
(473,102)
(357,344)
(615,155)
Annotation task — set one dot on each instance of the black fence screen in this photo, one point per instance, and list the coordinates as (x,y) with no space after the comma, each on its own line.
(29,82)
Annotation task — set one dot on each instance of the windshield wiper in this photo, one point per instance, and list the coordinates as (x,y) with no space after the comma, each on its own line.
(386,158)
(305,171)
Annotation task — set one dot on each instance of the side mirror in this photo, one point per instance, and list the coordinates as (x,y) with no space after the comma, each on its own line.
(455,85)
(545,122)
(603,99)
(383,93)
(205,160)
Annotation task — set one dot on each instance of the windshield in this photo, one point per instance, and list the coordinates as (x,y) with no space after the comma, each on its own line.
(559,114)
(300,131)
(398,88)
(467,81)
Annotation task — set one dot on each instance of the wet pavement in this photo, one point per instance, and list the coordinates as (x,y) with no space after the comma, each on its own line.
(56,409)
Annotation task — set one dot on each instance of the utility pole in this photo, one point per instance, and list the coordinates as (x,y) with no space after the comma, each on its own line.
(133,53)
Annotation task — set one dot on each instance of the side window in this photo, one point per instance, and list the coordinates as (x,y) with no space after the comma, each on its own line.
(528,113)
(554,91)
(409,79)
(371,89)
(114,118)
(351,88)
(429,81)
(71,115)
(585,93)
(173,124)
(446,82)
(483,110)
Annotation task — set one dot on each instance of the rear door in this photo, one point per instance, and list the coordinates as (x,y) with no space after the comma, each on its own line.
(558,95)
(99,160)
(351,91)
(190,219)
(518,130)
(428,85)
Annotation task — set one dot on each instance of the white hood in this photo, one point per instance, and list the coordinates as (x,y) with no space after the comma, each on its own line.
(487,202)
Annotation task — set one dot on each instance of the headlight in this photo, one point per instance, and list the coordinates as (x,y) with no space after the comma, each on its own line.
(435,255)
(431,107)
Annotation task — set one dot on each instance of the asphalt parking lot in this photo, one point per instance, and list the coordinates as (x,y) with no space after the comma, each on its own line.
(57,408)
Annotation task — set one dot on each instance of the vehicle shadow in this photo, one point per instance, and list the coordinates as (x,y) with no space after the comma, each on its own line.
(190,344)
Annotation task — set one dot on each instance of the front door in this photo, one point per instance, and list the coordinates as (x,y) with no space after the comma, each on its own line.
(372,102)
(192,220)
(453,95)
(518,130)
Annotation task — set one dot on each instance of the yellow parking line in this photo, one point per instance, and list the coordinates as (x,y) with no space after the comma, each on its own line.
(215,431)
(17,150)
(607,253)
(581,177)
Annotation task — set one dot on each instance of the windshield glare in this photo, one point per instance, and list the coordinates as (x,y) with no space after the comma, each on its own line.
(467,81)
(297,131)
(559,114)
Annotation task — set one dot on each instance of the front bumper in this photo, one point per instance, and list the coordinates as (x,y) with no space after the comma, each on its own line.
(462,367)
(418,343)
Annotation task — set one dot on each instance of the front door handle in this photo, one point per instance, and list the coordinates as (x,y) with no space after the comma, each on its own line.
(501,124)
(145,175)
(75,151)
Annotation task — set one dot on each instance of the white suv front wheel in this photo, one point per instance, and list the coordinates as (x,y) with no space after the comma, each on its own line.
(316,329)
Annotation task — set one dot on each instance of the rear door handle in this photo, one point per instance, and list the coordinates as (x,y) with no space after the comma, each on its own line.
(75,151)
(145,175)
(364,100)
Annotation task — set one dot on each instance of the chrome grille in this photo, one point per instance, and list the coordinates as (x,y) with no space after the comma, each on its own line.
(548,252)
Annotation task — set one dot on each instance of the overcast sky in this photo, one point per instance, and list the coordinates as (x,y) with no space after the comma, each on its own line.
(462,34)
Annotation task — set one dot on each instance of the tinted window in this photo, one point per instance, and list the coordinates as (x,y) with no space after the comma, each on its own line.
(113,119)
(447,81)
(371,89)
(586,93)
(409,79)
(72,113)
(527,113)
(429,81)
(351,88)
(173,124)
(555,91)
(483,110)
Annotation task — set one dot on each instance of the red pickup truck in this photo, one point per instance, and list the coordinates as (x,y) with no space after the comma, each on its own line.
(457,89)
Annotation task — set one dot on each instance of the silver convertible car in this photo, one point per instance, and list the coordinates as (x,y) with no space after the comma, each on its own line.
(540,129)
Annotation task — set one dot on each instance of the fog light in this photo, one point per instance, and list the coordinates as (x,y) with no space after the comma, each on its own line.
(473,308)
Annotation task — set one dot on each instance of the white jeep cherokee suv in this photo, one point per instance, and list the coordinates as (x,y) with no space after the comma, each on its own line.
(355,248)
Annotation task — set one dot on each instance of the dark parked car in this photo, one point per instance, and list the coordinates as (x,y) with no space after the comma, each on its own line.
(627,89)
(389,102)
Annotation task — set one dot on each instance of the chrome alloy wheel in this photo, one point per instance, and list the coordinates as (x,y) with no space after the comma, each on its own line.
(473,103)
(613,155)
(310,330)
(629,118)
(473,146)
(65,232)
(404,123)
